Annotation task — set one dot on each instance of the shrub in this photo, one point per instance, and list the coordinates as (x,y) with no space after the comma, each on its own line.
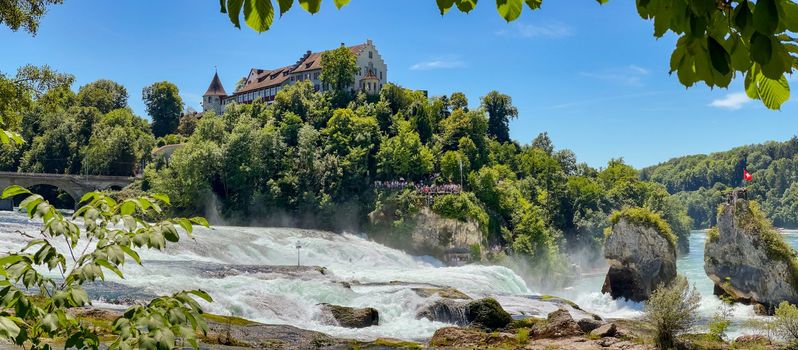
(522,336)
(786,322)
(646,218)
(721,320)
(461,206)
(671,310)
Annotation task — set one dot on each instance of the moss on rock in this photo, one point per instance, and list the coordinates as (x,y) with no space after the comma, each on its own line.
(645,218)
(488,313)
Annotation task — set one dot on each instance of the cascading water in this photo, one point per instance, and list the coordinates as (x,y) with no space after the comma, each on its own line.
(370,270)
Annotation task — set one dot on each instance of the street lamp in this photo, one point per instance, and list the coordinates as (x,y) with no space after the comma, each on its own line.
(298,247)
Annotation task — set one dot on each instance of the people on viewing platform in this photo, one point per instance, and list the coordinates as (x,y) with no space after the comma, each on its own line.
(420,187)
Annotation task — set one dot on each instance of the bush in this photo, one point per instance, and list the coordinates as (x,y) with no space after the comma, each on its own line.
(461,206)
(646,218)
(672,310)
(522,336)
(721,321)
(786,322)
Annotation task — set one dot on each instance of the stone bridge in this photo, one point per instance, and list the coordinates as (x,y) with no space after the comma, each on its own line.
(74,185)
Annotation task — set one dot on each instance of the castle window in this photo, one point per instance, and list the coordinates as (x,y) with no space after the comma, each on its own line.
(370,56)
(380,75)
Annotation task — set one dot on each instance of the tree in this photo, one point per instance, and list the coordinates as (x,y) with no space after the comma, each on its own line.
(717,39)
(119,143)
(164,106)
(105,95)
(404,155)
(36,308)
(544,143)
(671,310)
(24,14)
(338,69)
(18,93)
(500,110)
(458,100)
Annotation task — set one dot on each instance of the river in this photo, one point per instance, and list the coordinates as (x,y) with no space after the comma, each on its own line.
(273,297)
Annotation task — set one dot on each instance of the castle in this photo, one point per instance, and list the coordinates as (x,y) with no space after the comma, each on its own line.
(263,84)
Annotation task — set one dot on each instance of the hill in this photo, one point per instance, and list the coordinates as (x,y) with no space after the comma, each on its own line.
(700,181)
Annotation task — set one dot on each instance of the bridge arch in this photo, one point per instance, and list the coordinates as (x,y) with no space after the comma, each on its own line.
(74,185)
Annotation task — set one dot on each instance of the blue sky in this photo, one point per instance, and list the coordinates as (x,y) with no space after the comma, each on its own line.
(592,76)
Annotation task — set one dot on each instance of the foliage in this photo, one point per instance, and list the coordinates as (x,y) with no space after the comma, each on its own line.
(404,155)
(671,310)
(105,95)
(721,320)
(786,322)
(120,142)
(645,218)
(17,94)
(35,306)
(461,206)
(338,68)
(717,40)
(500,110)
(25,15)
(164,105)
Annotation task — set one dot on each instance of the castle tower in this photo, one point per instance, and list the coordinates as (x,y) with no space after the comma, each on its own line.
(212,99)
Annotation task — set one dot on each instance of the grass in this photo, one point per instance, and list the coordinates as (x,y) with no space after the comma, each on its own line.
(231,320)
(646,218)
(397,344)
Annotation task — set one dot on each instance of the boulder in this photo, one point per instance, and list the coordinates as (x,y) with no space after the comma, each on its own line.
(443,292)
(558,324)
(351,317)
(470,338)
(752,339)
(485,313)
(587,325)
(607,330)
(641,252)
(747,258)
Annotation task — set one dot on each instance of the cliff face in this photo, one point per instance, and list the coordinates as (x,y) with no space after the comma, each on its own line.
(640,258)
(747,259)
(435,234)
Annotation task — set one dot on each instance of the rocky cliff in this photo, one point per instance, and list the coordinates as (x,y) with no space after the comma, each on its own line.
(641,252)
(436,235)
(748,259)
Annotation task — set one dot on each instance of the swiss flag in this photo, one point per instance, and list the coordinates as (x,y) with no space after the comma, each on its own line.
(747,176)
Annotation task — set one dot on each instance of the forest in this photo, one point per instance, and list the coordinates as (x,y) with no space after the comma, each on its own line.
(700,182)
(311,159)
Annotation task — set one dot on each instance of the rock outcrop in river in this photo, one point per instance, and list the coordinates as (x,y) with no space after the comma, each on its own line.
(747,258)
(641,251)
(485,313)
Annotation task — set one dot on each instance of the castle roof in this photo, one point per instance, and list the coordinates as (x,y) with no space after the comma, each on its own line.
(216,88)
(310,61)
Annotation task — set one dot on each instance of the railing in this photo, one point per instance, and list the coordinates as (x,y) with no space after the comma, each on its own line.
(61,176)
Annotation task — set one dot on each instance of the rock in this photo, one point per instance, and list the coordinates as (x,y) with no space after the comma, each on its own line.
(751,339)
(487,313)
(558,324)
(641,254)
(747,259)
(262,336)
(469,338)
(588,324)
(481,313)
(445,292)
(446,311)
(351,317)
(607,330)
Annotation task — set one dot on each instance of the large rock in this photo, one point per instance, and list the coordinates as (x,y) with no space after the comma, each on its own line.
(641,252)
(558,324)
(351,317)
(747,259)
(485,313)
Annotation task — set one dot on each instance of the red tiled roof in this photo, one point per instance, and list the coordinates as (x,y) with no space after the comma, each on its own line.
(309,62)
(216,88)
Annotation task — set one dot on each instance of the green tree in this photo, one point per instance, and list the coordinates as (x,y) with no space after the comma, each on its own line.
(25,14)
(338,69)
(118,145)
(717,40)
(54,151)
(105,95)
(36,307)
(458,100)
(404,155)
(500,110)
(164,106)
(17,93)
(455,166)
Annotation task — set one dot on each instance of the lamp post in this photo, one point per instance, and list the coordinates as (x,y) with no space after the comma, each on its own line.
(298,247)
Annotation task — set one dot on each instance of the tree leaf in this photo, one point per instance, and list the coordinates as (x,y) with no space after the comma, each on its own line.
(790,17)
(772,92)
(14,190)
(104,263)
(444,5)
(132,253)
(342,3)
(536,4)
(8,329)
(509,9)
(202,294)
(721,60)
(312,6)
(185,224)
(761,48)
(200,221)
(234,11)
(258,14)
(466,5)
(766,17)
(285,5)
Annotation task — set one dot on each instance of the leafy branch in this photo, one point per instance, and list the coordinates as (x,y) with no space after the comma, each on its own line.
(34,307)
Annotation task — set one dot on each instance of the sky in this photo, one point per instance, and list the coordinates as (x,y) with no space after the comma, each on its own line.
(593,77)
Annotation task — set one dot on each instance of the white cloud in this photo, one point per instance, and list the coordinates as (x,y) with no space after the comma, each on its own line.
(440,63)
(630,75)
(733,101)
(552,30)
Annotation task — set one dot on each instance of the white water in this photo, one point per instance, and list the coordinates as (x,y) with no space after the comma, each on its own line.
(277,298)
